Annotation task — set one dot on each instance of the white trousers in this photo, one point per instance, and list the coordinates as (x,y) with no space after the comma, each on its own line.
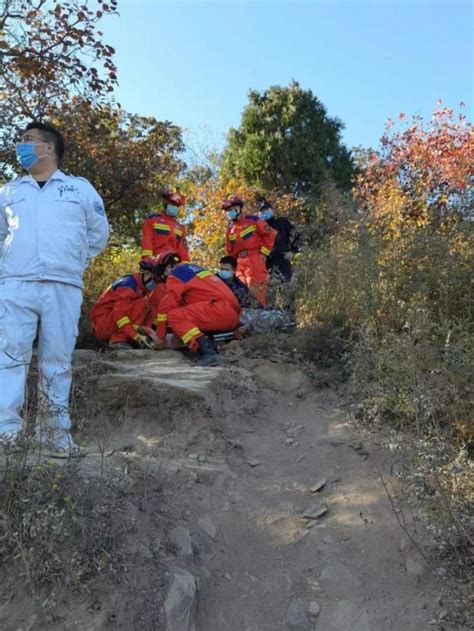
(50,310)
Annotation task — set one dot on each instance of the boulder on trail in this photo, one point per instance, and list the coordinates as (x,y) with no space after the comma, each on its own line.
(296,619)
(180,602)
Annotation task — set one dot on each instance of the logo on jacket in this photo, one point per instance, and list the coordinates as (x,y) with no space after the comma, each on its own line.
(98,208)
(67,188)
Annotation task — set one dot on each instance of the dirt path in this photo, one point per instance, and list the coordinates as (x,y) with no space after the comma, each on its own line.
(271,563)
(217,466)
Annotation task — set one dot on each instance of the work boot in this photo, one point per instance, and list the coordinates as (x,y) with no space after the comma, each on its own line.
(207,352)
(59,444)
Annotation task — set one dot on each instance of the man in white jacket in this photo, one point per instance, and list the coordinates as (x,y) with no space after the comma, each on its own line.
(51,225)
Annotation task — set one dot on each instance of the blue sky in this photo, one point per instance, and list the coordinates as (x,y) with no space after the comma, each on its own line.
(193,62)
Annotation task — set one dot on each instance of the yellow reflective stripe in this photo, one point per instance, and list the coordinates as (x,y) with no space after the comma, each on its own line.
(248,230)
(147,252)
(161,226)
(123,321)
(178,232)
(204,273)
(190,334)
(265,250)
(232,237)
(161,317)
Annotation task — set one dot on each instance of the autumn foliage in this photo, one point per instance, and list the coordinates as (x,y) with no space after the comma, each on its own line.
(129,158)
(398,277)
(50,50)
(422,174)
(50,53)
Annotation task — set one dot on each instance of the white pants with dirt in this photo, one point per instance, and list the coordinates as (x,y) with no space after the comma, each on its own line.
(50,310)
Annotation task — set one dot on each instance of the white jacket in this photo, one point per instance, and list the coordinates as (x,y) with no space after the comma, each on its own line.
(50,233)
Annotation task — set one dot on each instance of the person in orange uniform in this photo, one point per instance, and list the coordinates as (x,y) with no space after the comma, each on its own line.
(250,240)
(128,305)
(195,301)
(161,231)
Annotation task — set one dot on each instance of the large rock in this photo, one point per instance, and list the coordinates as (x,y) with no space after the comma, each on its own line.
(180,602)
(279,377)
(339,578)
(344,615)
(296,619)
(181,539)
(140,388)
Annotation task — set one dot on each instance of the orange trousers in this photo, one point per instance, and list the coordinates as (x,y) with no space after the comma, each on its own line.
(252,271)
(190,321)
(106,328)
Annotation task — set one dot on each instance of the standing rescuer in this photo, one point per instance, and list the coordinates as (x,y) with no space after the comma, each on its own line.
(287,242)
(51,225)
(250,240)
(128,305)
(195,302)
(161,232)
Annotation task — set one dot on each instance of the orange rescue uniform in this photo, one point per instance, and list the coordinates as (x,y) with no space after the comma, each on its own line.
(161,232)
(195,301)
(250,240)
(123,307)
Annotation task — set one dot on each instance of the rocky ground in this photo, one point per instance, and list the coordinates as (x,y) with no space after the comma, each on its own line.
(236,498)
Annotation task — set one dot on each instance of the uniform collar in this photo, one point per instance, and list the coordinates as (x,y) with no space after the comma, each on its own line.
(29,179)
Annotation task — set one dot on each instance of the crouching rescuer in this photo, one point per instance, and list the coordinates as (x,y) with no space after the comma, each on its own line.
(125,311)
(195,302)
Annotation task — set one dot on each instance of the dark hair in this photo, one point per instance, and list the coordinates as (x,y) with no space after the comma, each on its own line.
(264,204)
(50,134)
(229,260)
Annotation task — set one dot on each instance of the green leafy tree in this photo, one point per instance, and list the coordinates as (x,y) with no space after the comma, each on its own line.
(286,142)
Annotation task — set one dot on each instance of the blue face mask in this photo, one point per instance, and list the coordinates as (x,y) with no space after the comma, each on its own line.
(171,210)
(225,274)
(232,214)
(266,214)
(26,154)
(150,284)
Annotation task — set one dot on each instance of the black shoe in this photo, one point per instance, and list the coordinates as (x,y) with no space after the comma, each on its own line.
(207,352)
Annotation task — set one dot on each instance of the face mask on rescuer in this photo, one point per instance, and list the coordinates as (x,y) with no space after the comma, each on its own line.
(225,274)
(150,284)
(232,214)
(171,210)
(266,214)
(26,154)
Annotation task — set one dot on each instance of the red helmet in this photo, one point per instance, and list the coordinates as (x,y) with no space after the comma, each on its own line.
(235,200)
(166,257)
(174,197)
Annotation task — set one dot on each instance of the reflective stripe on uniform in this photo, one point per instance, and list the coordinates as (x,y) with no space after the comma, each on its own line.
(147,252)
(123,321)
(187,337)
(247,233)
(265,250)
(204,273)
(161,317)
(161,228)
